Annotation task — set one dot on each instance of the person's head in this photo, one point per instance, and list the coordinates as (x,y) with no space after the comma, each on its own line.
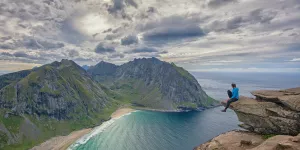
(233,85)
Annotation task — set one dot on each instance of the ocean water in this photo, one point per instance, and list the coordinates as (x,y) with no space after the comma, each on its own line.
(149,130)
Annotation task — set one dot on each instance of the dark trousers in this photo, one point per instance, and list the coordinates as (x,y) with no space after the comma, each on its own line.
(231,100)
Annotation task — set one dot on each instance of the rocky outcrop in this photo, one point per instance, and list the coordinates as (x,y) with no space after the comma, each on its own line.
(271,113)
(243,140)
(289,98)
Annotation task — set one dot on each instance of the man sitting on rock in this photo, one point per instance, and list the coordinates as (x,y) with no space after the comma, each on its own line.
(233,96)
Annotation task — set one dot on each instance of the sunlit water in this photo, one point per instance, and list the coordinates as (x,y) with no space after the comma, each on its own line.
(149,130)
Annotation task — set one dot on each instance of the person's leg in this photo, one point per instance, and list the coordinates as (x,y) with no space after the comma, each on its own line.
(229,93)
(229,102)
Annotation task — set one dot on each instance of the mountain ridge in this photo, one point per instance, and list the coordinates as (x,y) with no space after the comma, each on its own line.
(172,84)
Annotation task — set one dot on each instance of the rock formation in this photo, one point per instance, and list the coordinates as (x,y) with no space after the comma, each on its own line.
(271,113)
(159,84)
(243,140)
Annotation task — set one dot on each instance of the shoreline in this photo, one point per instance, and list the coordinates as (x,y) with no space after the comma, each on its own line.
(63,142)
(176,110)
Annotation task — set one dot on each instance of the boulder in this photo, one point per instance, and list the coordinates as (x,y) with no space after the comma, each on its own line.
(243,140)
(280,142)
(234,140)
(290,98)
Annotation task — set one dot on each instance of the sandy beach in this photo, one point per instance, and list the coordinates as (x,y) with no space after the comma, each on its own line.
(120,112)
(63,142)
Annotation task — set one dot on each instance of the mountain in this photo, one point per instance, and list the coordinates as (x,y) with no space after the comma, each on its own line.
(50,100)
(152,83)
(85,67)
(59,90)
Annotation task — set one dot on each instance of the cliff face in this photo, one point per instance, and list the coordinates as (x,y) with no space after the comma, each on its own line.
(157,84)
(50,100)
(59,90)
(271,113)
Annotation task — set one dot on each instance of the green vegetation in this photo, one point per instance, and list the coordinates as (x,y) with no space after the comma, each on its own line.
(3,139)
(12,77)
(46,89)
(11,92)
(188,105)
(267,136)
(12,123)
(209,101)
(51,127)
(183,72)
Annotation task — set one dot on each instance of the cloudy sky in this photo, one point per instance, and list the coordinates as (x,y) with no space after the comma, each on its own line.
(200,35)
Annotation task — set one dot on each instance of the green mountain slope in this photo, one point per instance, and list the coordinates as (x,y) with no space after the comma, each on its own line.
(153,83)
(54,99)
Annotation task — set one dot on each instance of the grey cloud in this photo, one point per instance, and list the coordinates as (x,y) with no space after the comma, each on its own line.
(294,34)
(143,50)
(117,55)
(256,16)
(151,10)
(261,16)
(132,3)
(287,29)
(234,22)
(174,33)
(219,3)
(22,54)
(108,30)
(32,43)
(73,53)
(128,40)
(70,34)
(104,49)
(5,38)
(7,54)
(83,59)
(174,20)
(7,46)
(118,5)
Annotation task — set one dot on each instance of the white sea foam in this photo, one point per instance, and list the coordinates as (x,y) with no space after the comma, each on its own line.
(96,131)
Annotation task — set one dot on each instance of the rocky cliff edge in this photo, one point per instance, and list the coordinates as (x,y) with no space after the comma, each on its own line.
(272,120)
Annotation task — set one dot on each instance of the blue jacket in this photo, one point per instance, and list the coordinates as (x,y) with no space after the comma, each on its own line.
(235,93)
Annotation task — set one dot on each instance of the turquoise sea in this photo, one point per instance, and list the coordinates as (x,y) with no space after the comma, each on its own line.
(148,130)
